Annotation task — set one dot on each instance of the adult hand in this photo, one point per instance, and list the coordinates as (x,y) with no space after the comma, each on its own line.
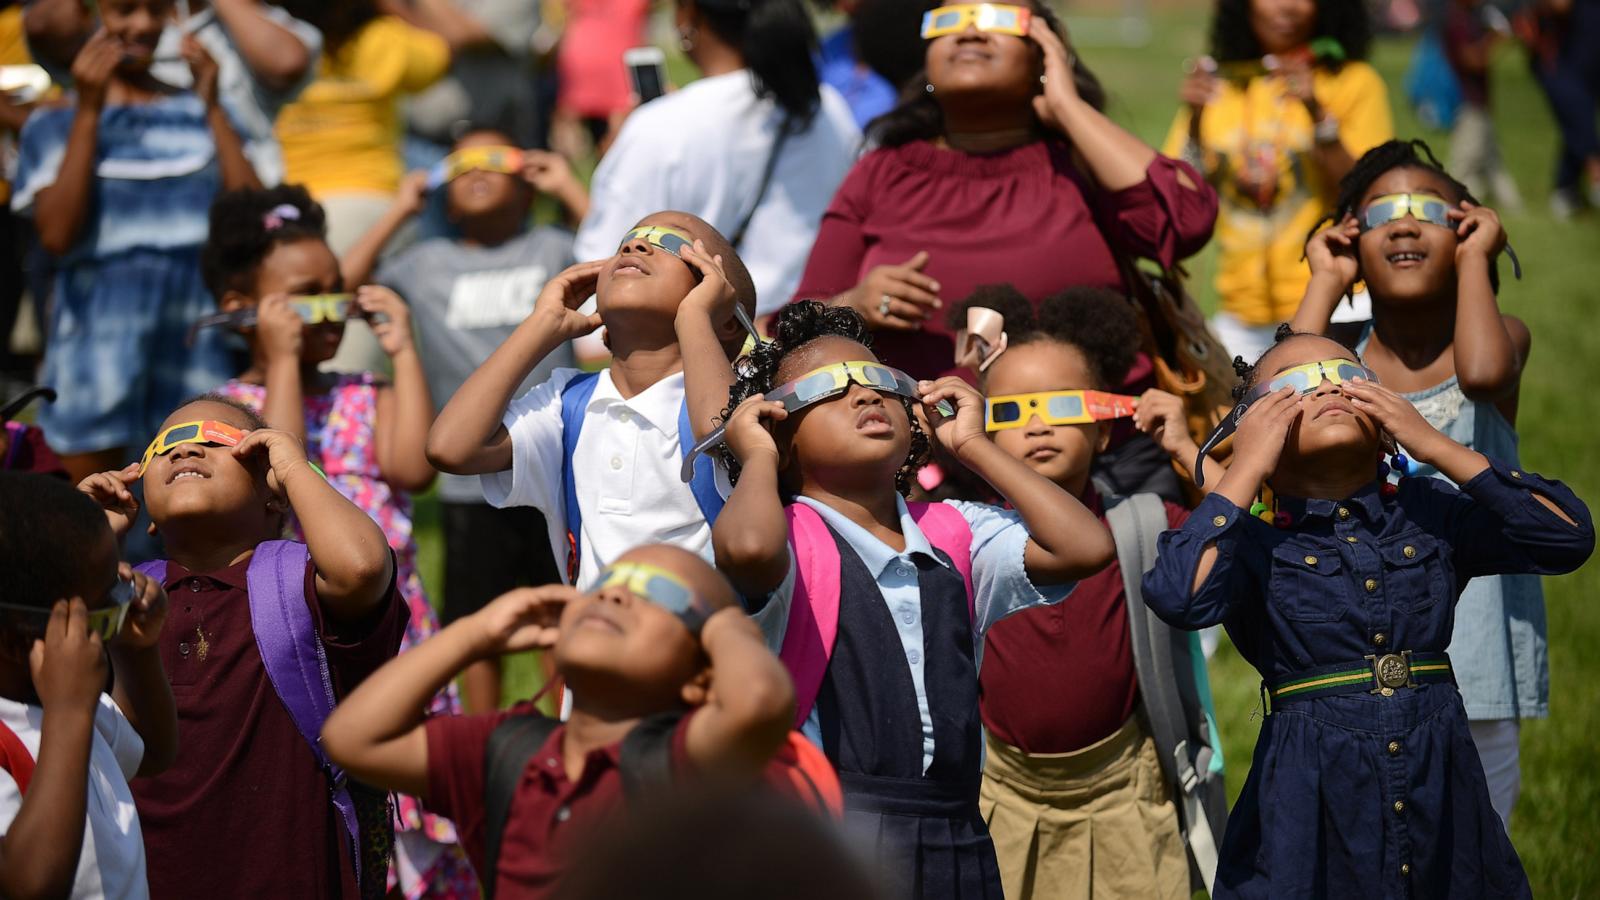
(558,302)
(1332,252)
(389,316)
(1060,89)
(956,433)
(280,329)
(68,663)
(1263,430)
(749,432)
(204,69)
(895,297)
(92,68)
(146,614)
(1478,231)
(523,619)
(110,490)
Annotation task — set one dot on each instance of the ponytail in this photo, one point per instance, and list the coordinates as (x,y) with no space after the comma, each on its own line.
(776,40)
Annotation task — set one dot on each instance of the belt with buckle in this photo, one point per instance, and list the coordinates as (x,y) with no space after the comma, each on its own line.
(1377,675)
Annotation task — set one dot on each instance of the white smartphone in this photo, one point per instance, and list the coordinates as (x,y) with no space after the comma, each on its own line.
(647,71)
(25,84)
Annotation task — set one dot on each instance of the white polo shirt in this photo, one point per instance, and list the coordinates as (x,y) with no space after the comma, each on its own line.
(625,471)
(111,863)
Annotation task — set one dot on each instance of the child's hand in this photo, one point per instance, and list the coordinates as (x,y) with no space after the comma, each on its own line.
(958,431)
(1161,415)
(1264,429)
(1395,414)
(1333,251)
(558,302)
(280,329)
(523,619)
(548,172)
(92,68)
(110,490)
(713,297)
(283,451)
(1479,231)
(749,434)
(146,614)
(204,69)
(393,334)
(68,663)
(412,196)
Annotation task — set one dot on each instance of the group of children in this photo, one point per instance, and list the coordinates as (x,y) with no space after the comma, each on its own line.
(730,571)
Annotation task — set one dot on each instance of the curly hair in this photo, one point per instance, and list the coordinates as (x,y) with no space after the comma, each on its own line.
(1386,157)
(247,224)
(1250,373)
(1097,322)
(797,325)
(918,117)
(1346,21)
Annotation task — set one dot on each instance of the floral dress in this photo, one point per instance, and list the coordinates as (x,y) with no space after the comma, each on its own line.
(340,437)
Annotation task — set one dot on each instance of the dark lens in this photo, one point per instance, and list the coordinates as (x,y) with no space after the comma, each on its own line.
(947,19)
(1299,380)
(814,386)
(1068,406)
(1346,371)
(1432,211)
(879,376)
(667,595)
(180,434)
(1003,411)
(673,244)
(1378,213)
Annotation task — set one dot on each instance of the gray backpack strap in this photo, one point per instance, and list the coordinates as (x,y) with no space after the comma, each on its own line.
(1164,659)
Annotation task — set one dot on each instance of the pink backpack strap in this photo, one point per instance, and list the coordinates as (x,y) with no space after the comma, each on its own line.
(814,611)
(946,528)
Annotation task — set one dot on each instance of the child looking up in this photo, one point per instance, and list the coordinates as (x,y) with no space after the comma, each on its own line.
(467,296)
(659,654)
(268,251)
(67,750)
(881,607)
(1080,781)
(118,183)
(1439,339)
(250,808)
(1364,780)
(600,455)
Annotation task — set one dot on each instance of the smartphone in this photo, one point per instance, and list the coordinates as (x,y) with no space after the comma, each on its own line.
(25,84)
(647,70)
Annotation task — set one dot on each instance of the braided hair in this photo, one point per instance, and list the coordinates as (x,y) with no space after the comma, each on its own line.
(247,224)
(1097,322)
(1249,373)
(798,324)
(1386,157)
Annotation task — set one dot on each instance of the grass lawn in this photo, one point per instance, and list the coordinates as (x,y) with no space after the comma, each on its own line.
(1559,412)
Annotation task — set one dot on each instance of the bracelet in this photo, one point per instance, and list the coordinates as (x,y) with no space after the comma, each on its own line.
(1326,131)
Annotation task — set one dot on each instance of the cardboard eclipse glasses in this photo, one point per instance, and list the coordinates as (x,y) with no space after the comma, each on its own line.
(207,431)
(506,160)
(659,587)
(994,18)
(105,621)
(1304,379)
(1430,208)
(1056,408)
(672,241)
(313,309)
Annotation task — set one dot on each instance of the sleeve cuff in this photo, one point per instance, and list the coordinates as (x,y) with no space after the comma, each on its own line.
(1216,515)
(1503,480)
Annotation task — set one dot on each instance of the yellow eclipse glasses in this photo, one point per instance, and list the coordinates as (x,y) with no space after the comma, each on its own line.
(1429,208)
(313,309)
(1307,378)
(1056,408)
(506,160)
(206,431)
(660,587)
(994,18)
(669,239)
(105,621)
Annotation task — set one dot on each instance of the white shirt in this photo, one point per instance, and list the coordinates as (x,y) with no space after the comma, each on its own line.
(111,863)
(701,150)
(624,470)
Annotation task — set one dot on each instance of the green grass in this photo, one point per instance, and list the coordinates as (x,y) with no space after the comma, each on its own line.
(1560,408)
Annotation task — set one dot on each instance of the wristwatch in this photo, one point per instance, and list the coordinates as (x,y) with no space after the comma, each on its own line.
(1326,131)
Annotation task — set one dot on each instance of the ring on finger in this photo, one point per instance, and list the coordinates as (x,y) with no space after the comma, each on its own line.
(883,304)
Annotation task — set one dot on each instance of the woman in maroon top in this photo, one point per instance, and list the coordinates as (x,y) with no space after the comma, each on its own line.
(1002,168)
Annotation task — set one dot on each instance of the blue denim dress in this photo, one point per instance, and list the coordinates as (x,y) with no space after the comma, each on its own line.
(1361,794)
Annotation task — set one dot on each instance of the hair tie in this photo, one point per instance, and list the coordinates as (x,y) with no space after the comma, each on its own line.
(278,215)
(982,341)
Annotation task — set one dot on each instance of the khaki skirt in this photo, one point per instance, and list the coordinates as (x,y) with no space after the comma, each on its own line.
(1095,823)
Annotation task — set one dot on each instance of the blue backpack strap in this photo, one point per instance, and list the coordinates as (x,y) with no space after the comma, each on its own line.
(574,403)
(704,482)
(296,662)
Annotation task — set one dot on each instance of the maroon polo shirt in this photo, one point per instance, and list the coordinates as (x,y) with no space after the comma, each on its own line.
(245,810)
(549,812)
(1060,678)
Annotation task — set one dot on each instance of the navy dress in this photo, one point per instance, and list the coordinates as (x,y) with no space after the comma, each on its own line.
(1372,789)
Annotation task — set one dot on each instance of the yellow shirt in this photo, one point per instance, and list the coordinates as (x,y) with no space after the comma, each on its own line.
(1255,145)
(343,133)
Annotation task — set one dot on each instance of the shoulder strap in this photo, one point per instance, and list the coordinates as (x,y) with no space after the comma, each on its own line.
(15,758)
(704,482)
(946,528)
(574,403)
(1162,657)
(511,747)
(784,128)
(296,662)
(814,610)
(646,758)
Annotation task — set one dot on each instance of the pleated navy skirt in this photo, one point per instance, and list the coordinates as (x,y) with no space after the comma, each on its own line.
(929,840)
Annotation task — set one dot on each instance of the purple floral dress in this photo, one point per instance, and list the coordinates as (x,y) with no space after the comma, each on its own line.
(341,438)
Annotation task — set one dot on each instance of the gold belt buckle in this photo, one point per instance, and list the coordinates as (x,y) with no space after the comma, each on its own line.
(1391,670)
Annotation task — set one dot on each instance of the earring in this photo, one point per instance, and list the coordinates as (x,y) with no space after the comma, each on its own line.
(1042,79)
(928,88)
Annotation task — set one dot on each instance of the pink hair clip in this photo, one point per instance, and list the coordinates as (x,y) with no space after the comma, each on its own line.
(278,215)
(982,341)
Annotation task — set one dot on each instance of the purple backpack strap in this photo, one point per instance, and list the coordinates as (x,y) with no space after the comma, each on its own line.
(155,568)
(296,662)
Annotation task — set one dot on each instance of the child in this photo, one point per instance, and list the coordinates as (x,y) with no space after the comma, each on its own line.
(1079,782)
(67,821)
(1471,29)
(662,665)
(1438,338)
(600,455)
(267,248)
(251,808)
(118,184)
(1364,781)
(902,730)
(467,295)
